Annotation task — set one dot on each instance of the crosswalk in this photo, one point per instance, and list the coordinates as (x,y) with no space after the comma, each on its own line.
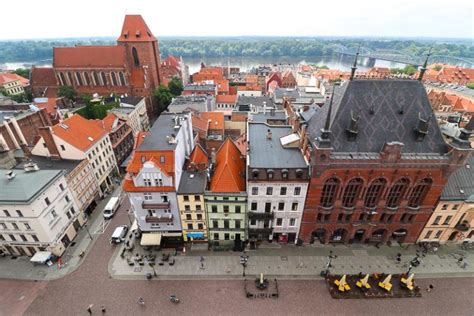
(102,227)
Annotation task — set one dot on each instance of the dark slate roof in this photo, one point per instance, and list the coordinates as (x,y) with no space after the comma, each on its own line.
(460,185)
(386,124)
(157,136)
(45,163)
(186,103)
(131,100)
(200,87)
(269,153)
(268,116)
(285,92)
(192,182)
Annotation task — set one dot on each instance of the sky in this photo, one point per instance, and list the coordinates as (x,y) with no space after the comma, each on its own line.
(387,18)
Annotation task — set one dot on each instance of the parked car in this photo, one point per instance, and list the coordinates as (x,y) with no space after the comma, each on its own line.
(111,207)
(119,234)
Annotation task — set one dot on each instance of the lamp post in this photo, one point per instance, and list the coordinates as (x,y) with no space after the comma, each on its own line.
(243,261)
(88,232)
(152,265)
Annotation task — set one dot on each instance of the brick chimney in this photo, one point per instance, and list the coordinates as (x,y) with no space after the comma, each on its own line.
(48,139)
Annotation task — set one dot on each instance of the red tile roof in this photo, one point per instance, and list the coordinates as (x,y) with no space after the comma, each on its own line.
(228,176)
(89,57)
(227,99)
(241,142)
(222,85)
(50,104)
(198,158)
(215,119)
(43,77)
(200,123)
(79,131)
(9,77)
(135,30)
(108,122)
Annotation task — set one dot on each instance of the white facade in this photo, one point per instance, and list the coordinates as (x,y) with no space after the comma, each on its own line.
(284,199)
(135,116)
(48,221)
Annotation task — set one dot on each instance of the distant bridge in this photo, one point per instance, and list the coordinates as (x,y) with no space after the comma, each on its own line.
(401,57)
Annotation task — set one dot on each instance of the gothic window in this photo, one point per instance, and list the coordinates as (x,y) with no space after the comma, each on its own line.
(419,192)
(103,79)
(329,192)
(96,78)
(79,79)
(69,77)
(136,61)
(122,79)
(114,79)
(62,79)
(87,79)
(351,192)
(397,191)
(374,192)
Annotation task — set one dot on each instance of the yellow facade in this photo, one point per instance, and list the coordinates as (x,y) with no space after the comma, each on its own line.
(193,217)
(451,222)
(13,87)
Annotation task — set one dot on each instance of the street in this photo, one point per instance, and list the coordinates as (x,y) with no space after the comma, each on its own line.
(92,284)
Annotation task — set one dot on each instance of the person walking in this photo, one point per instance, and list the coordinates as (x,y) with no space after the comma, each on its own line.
(89,309)
(102,309)
(141,301)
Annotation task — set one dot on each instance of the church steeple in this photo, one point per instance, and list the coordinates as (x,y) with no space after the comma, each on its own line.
(423,69)
(354,67)
(324,140)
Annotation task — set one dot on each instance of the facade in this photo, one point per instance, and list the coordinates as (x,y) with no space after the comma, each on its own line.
(153,178)
(288,80)
(174,67)
(277,182)
(226,199)
(226,101)
(19,128)
(77,138)
(200,89)
(131,67)
(38,213)
(12,83)
(121,137)
(379,163)
(133,111)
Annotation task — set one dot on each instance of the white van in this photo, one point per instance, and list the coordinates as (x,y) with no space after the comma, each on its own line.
(119,234)
(111,207)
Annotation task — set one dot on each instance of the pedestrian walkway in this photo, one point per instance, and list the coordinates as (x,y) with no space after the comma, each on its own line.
(21,267)
(291,262)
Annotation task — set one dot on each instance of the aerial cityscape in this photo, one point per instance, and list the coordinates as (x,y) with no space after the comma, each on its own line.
(228,169)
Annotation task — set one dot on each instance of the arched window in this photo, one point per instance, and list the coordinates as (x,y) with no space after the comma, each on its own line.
(103,79)
(96,78)
(62,79)
(351,192)
(136,61)
(397,191)
(79,79)
(419,192)
(374,192)
(329,193)
(69,79)
(122,79)
(87,79)
(114,79)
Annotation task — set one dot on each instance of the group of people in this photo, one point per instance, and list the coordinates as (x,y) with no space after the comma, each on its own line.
(141,301)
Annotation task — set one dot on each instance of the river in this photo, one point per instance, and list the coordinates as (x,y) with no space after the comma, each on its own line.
(246,63)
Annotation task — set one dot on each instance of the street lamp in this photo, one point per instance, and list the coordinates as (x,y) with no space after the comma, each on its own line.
(88,232)
(243,261)
(152,265)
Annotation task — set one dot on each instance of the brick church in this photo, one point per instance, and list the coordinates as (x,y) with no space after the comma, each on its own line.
(379,163)
(131,67)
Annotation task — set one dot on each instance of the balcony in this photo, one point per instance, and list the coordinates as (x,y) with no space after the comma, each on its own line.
(155,206)
(258,231)
(462,226)
(261,216)
(166,218)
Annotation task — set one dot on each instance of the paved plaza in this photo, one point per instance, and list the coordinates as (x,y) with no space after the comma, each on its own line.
(103,278)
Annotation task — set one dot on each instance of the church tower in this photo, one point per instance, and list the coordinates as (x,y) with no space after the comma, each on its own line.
(142,55)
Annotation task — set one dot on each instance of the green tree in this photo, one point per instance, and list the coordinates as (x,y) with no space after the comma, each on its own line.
(3,91)
(20,98)
(437,67)
(163,97)
(409,70)
(470,85)
(24,72)
(67,92)
(176,86)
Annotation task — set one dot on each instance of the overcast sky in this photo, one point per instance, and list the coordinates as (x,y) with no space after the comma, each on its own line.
(84,18)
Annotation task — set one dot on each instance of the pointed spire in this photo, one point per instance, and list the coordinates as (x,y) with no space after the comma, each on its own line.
(354,67)
(423,69)
(328,117)
(324,140)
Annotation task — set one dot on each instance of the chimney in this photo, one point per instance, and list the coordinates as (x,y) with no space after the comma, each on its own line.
(305,108)
(213,156)
(264,107)
(269,134)
(10,174)
(47,135)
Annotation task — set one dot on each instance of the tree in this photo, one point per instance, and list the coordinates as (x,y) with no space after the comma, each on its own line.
(438,67)
(24,72)
(409,70)
(3,91)
(470,85)
(67,92)
(176,86)
(163,97)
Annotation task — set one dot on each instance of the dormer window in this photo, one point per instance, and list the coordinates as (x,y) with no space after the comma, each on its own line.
(299,173)
(270,173)
(255,173)
(284,173)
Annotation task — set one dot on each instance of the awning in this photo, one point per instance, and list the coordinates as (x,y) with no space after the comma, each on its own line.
(151,240)
(172,234)
(41,257)
(195,235)
(134,226)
